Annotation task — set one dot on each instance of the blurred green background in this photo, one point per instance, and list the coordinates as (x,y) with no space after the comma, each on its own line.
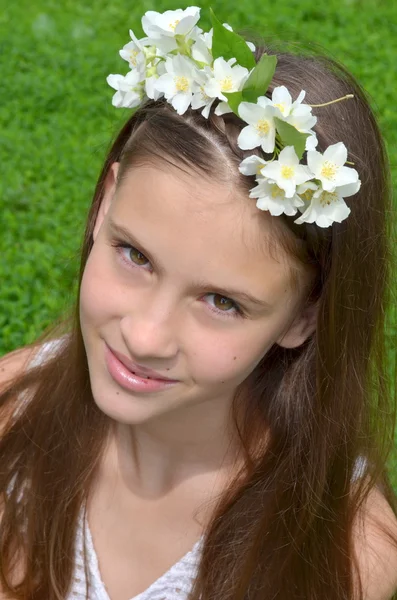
(56,120)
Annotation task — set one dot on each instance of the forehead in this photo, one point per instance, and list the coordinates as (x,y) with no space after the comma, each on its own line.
(203,227)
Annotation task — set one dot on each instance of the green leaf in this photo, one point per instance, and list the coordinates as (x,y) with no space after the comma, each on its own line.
(228,44)
(260,78)
(291,136)
(234,99)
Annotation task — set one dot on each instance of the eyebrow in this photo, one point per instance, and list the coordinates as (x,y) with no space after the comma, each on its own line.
(236,294)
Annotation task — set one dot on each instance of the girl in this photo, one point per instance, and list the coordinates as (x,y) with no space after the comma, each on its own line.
(215,421)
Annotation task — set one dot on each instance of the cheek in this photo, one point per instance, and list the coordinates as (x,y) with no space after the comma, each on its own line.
(95,300)
(229,359)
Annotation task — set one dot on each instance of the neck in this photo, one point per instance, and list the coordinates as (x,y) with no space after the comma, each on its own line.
(196,442)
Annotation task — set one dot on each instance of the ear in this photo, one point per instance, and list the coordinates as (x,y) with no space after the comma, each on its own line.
(109,190)
(302,327)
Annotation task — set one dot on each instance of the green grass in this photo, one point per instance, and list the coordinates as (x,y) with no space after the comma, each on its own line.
(56,120)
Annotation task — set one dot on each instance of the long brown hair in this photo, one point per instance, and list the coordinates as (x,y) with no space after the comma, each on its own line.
(283,528)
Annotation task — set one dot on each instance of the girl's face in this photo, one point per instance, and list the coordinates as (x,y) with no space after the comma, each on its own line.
(179,282)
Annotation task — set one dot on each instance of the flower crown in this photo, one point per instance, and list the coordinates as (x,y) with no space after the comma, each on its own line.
(192,68)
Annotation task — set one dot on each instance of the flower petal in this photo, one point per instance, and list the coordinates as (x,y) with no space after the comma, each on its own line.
(251,165)
(114,80)
(350,189)
(206,110)
(288,156)
(181,102)
(166,84)
(223,108)
(249,138)
(315,161)
(311,142)
(268,141)
(117,99)
(251,113)
(337,153)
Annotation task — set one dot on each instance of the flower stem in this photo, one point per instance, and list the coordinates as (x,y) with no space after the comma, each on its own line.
(347,97)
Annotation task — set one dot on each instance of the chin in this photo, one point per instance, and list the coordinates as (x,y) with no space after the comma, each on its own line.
(123,408)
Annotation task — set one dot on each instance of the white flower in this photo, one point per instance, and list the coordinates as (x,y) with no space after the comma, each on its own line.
(161,28)
(301,118)
(273,198)
(129,89)
(261,130)
(179,82)
(295,113)
(152,75)
(329,167)
(311,142)
(171,22)
(287,172)
(223,108)
(252,165)
(281,99)
(323,207)
(201,49)
(200,98)
(225,77)
(134,53)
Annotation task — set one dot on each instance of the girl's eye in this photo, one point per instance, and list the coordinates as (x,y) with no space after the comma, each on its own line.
(219,304)
(135,256)
(129,254)
(225,305)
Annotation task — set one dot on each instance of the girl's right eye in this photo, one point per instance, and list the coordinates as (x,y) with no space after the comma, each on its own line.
(129,254)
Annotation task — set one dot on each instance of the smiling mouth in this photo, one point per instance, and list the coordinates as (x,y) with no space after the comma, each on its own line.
(136,370)
(144,377)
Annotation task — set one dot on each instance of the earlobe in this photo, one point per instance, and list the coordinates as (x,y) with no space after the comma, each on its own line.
(109,190)
(302,327)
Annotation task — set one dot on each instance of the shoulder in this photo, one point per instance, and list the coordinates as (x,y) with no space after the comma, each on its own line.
(376,553)
(15,363)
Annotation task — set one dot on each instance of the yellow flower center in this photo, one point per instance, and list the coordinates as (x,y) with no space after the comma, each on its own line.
(327,198)
(308,195)
(204,96)
(226,84)
(281,106)
(329,170)
(181,84)
(276,192)
(174,24)
(133,55)
(287,172)
(263,126)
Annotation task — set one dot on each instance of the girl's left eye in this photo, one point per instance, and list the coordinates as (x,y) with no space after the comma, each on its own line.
(223,304)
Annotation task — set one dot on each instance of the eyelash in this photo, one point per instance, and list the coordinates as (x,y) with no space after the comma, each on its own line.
(119,246)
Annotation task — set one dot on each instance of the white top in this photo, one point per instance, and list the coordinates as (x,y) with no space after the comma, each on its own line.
(174,584)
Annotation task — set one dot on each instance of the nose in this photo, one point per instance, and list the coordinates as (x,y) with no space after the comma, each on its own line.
(150,331)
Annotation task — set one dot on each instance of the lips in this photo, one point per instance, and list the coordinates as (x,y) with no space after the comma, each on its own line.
(138,369)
